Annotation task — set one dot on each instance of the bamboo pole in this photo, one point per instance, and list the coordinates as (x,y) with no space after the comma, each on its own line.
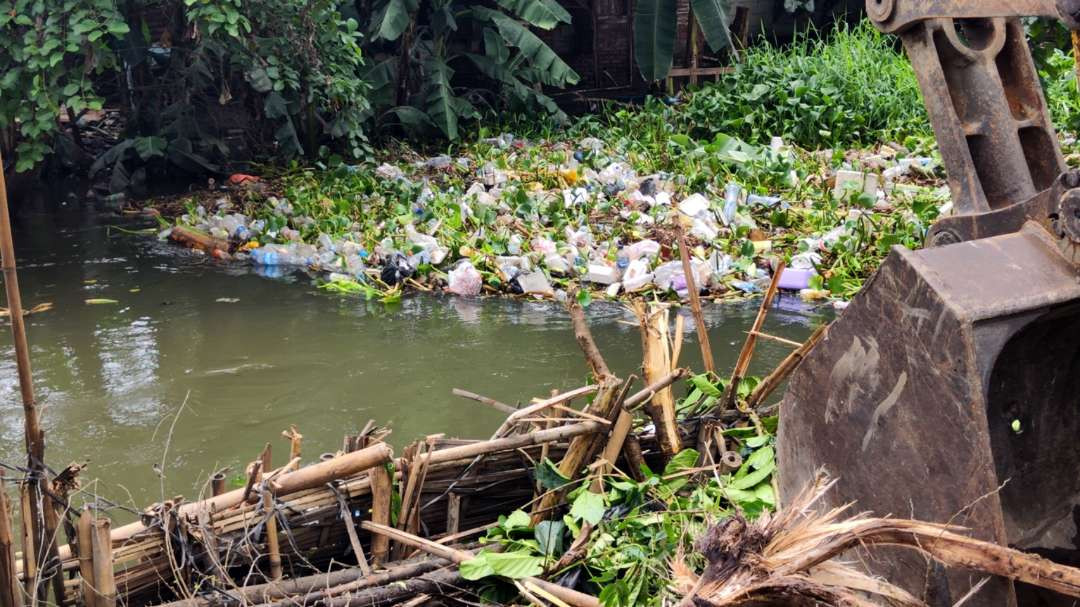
(695,303)
(295,441)
(272,548)
(104,577)
(217,484)
(85,534)
(584,338)
(381,504)
(491,402)
(10,593)
(743,363)
(784,369)
(656,364)
(43,535)
(571,597)
(29,546)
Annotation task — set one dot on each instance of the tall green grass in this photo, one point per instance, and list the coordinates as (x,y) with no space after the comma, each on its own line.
(852,86)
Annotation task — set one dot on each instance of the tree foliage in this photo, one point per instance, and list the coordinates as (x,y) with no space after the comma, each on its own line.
(49,53)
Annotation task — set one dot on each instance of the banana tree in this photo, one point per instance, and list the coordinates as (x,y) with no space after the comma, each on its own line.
(414,84)
(655,24)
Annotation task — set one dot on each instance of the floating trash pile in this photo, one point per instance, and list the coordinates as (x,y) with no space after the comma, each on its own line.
(543,219)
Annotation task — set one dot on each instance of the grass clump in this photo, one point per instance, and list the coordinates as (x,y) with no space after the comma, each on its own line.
(851,87)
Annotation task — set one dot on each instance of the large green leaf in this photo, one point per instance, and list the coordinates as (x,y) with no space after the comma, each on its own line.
(513,565)
(544,14)
(392,18)
(654,37)
(553,71)
(588,507)
(712,16)
(443,107)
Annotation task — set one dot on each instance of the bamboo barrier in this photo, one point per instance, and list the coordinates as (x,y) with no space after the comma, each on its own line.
(10,592)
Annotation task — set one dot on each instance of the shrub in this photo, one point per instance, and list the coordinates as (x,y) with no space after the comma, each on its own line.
(851,87)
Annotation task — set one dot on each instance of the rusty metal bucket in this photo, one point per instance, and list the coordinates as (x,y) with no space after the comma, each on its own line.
(949,390)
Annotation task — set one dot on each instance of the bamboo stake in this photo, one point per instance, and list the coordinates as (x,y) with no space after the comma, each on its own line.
(354,540)
(29,546)
(584,447)
(104,580)
(85,533)
(42,534)
(572,597)
(695,303)
(381,496)
(491,402)
(10,593)
(784,369)
(656,364)
(217,483)
(779,340)
(272,547)
(743,363)
(295,441)
(584,338)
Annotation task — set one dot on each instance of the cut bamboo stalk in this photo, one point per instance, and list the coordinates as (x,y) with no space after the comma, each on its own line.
(535,408)
(10,592)
(647,392)
(676,344)
(634,458)
(491,402)
(456,555)
(29,569)
(453,513)
(295,441)
(273,549)
(653,321)
(555,415)
(354,540)
(784,369)
(743,363)
(511,443)
(217,483)
(777,339)
(85,534)
(339,467)
(695,303)
(381,496)
(104,580)
(585,341)
(582,448)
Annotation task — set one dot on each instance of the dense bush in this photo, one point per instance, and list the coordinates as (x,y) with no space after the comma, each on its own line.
(850,87)
(50,51)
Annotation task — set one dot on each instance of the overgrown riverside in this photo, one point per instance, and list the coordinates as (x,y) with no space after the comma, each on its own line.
(799,171)
(598,203)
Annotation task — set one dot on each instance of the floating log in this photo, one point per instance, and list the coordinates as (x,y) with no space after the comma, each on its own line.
(194,239)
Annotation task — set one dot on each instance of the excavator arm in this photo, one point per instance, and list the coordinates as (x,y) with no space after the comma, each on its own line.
(949,390)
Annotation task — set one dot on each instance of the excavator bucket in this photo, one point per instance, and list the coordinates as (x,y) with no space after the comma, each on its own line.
(949,390)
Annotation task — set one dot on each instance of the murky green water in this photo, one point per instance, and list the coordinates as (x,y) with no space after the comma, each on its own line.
(111,378)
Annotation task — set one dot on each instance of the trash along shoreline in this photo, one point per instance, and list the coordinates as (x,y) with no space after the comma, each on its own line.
(632,498)
(541,219)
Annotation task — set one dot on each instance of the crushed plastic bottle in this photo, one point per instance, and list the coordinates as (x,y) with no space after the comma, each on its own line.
(732,192)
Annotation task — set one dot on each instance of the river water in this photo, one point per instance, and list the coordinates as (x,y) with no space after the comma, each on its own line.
(200,363)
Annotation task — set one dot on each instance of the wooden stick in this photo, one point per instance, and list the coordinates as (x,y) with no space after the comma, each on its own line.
(354,540)
(585,340)
(381,497)
(784,369)
(542,405)
(273,549)
(85,534)
(436,583)
(634,459)
(29,545)
(295,441)
(572,597)
(10,592)
(781,340)
(648,391)
(104,580)
(676,344)
(546,448)
(695,303)
(743,363)
(583,448)
(491,402)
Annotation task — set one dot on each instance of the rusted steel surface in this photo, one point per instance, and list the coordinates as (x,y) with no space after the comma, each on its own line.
(966,407)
